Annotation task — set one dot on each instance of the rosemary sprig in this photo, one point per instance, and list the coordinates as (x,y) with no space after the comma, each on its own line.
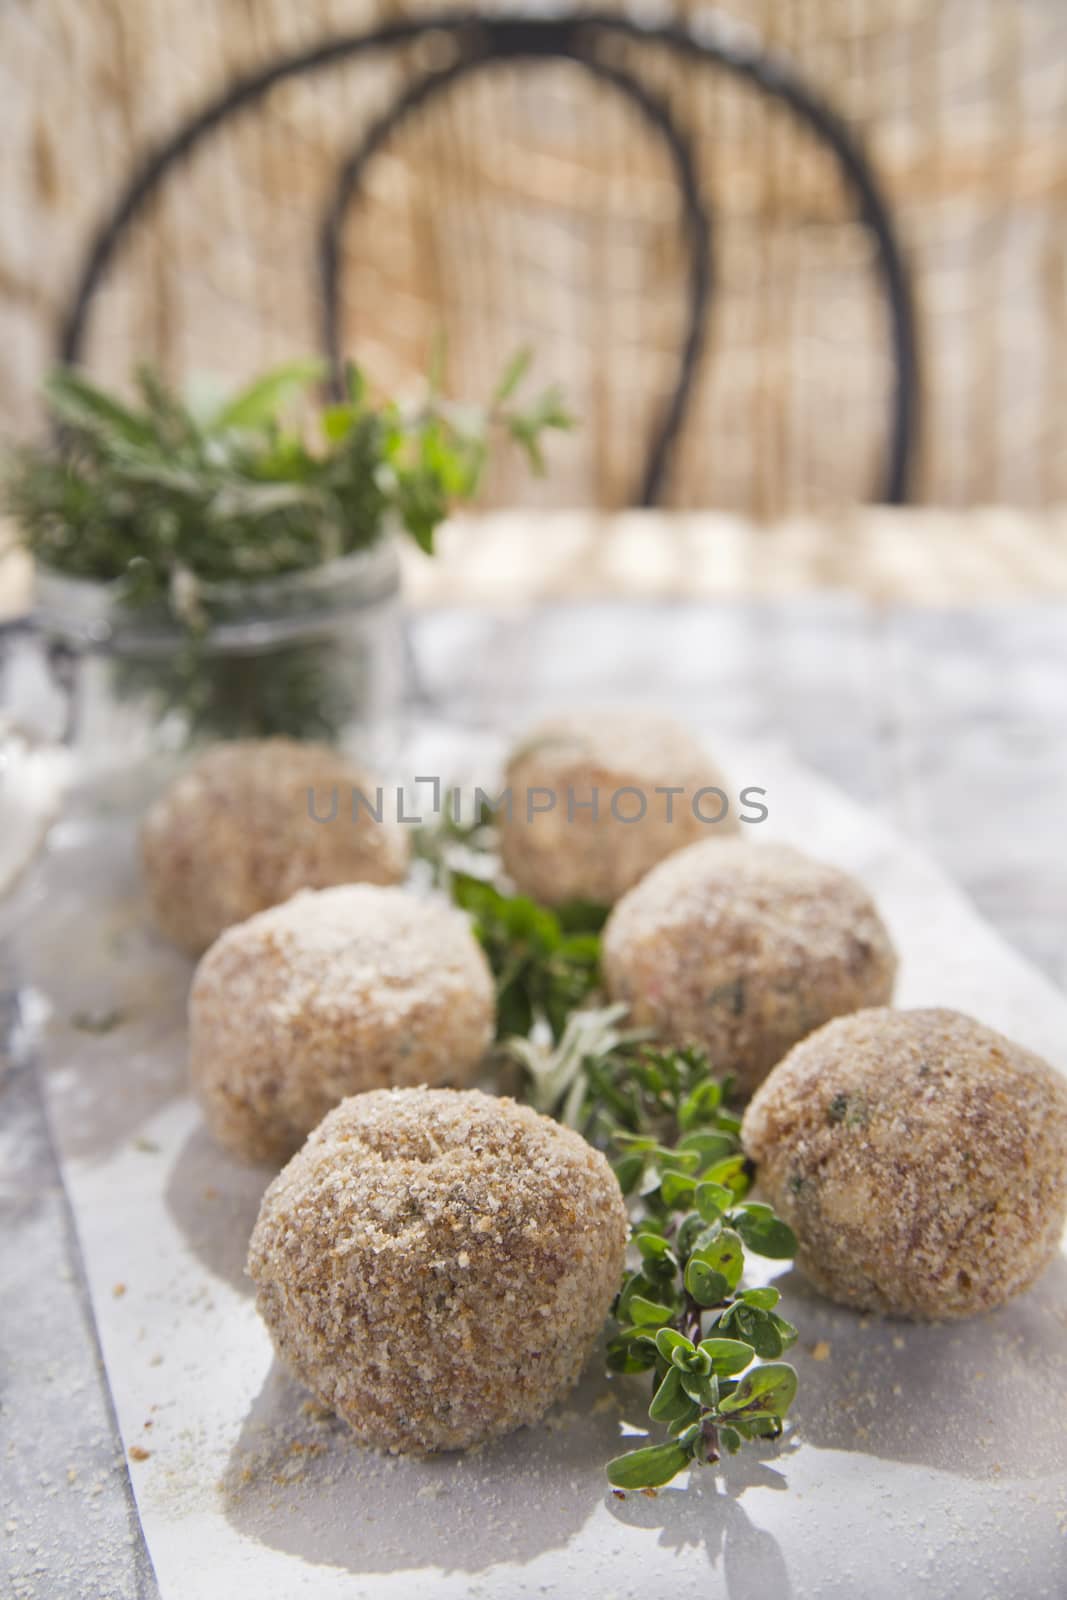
(558,1079)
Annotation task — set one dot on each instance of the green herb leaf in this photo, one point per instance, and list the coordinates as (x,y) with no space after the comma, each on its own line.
(710,1147)
(712,1199)
(647,1313)
(677,1189)
(263,399)
(725,1254)
(629,1355)
(649,1468)
(628,1171)
(542,974)
(707,1287)
(786,1331)
(730,1173)
(669,1340)
(702,1389)
(756,1327)
(768,1389)
(655,1248)
(728,1356)
(701,1105)
(74,400)
(765,1233)
(687,1429)
(670,1400)
(766,1299)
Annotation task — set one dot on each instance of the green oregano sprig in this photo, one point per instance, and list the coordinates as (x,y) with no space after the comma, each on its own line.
(704,1406)
(683,1312)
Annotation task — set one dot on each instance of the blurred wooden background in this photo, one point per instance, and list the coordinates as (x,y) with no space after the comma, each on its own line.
(531,206)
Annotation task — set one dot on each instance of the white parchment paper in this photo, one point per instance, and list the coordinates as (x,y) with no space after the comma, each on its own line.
(924,1461)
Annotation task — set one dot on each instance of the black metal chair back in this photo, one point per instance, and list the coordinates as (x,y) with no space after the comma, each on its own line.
(585,38)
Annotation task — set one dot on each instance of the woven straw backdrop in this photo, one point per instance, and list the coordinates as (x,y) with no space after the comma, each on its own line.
(532,205)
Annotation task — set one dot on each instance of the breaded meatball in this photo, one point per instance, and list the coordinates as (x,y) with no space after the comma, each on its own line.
(435,1265)
(235,834)
(744,949)
(336,991)
(569,853)
(920,1157)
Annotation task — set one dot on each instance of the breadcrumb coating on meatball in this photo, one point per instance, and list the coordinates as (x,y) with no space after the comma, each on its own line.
(568,853)
(921,1159)
(744,949)
(435,1265)
(338,990)
(234,834)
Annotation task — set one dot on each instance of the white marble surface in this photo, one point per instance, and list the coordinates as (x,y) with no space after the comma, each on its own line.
(950,724)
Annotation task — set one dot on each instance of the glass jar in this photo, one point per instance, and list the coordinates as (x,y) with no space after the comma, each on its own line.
(317,654)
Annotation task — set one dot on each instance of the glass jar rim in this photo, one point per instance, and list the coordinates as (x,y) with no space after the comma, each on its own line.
(242,614)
